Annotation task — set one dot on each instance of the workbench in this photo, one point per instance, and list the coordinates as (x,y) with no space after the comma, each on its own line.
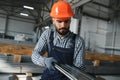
(97,57)
(11,55)
(18,50)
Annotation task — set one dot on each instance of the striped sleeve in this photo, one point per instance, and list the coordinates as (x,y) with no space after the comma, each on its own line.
(79,54)
(40,48)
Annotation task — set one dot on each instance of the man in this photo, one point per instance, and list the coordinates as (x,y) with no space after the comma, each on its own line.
(60,44)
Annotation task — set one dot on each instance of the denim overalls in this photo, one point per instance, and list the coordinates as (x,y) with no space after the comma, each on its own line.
(63,56)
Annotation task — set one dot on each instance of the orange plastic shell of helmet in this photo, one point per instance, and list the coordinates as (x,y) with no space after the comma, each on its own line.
(61,9)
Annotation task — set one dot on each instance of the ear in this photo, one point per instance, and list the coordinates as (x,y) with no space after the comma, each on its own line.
(53,20)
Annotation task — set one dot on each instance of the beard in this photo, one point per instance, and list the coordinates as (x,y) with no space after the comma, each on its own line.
(62,31)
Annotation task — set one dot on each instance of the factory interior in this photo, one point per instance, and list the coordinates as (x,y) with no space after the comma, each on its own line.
(23,21)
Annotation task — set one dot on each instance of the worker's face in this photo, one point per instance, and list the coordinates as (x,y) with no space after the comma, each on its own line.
(62,25)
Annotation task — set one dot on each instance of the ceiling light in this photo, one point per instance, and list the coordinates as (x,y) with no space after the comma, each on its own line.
(24,14)
(28,7)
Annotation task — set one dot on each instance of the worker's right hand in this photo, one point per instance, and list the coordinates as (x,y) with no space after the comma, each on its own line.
(49,62)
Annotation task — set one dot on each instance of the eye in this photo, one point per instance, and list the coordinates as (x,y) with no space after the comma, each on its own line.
(59,21)
(67,21)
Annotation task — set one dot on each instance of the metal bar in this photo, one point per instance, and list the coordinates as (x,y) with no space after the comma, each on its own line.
(73,73)
(80,3)
(65,72)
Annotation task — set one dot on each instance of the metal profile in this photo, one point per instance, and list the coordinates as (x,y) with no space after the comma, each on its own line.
(73,73)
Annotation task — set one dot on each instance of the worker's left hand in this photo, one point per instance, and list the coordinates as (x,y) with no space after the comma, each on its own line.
(49,62)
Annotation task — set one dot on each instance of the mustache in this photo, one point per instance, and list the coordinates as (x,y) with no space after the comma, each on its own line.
(63,28)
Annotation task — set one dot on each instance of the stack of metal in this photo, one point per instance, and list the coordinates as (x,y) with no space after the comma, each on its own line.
(73,73)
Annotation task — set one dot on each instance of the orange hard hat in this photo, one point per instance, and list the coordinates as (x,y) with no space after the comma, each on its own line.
(61,9)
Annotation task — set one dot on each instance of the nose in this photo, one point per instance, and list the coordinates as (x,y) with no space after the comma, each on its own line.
(63,24)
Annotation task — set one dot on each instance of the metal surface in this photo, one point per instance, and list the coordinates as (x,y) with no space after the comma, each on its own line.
(73,73)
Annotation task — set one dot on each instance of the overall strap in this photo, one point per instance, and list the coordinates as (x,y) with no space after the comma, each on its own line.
(73,40)
(50,41)
(51,38)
